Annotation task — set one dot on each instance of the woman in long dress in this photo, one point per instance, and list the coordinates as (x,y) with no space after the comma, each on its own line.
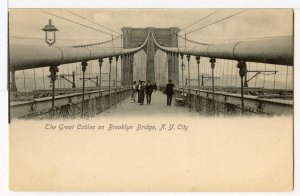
(133,91)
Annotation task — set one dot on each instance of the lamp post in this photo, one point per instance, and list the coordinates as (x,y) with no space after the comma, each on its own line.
(50,33)
(242,72)
(50,39)
(189,76)
(213,61)
(182,68)
(53,70)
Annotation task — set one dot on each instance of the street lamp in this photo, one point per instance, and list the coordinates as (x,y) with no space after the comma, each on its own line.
(50,33)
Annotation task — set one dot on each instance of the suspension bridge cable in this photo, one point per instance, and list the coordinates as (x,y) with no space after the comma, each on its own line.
(286,78)
(192,41)
(225,72)
(257,75)
(236,76)
(200,20)
(219,74)
(34,79)
(274,77)
(249,38)
(43,78)
(24,80)
(265,75)
(95,44)
(112,41)
(230,16)
(93,22)
(77,23)
(231,72)
(42,38)
(247,74)
(228,70)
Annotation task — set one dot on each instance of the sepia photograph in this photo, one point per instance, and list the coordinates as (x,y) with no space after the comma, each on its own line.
(67,63)
(111,99)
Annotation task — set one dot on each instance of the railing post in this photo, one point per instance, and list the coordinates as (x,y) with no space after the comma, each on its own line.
(13,87)
(100,84)
(109,80)
(117,94)
(189,76)
(117,58)
(122,70)
(182,80)
(127,60)
(242,71)
(213,61)
(73,77)
(100,77)
(53,70)
(198,63)
(176,71)
(246,78)
(83,67)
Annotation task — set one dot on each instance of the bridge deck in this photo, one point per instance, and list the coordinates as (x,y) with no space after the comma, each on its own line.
(158,106)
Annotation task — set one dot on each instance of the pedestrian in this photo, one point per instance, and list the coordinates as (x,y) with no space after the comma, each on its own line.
(149,90)
(133,91)
(142,93)
(138,87)
(169,91)
(155,87)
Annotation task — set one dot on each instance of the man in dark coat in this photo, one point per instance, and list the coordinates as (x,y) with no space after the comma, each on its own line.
(149,90)
(142,93)
(169,91)
(138,88)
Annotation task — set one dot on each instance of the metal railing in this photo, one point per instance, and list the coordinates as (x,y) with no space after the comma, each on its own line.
(69,105)
(227,104)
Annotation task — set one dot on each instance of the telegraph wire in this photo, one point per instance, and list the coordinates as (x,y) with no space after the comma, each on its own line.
(95,44)
(252,38)
(192,40)
(200,20)
(230,16)
(93,22)
(77,23)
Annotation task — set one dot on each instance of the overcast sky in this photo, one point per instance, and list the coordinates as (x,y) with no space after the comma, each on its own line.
(250,24)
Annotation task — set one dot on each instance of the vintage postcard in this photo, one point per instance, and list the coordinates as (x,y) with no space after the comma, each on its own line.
(151,99)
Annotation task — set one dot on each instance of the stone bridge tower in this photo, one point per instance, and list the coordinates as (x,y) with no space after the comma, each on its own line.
(133,37)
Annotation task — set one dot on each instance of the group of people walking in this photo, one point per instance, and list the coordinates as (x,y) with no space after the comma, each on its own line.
(142,88)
